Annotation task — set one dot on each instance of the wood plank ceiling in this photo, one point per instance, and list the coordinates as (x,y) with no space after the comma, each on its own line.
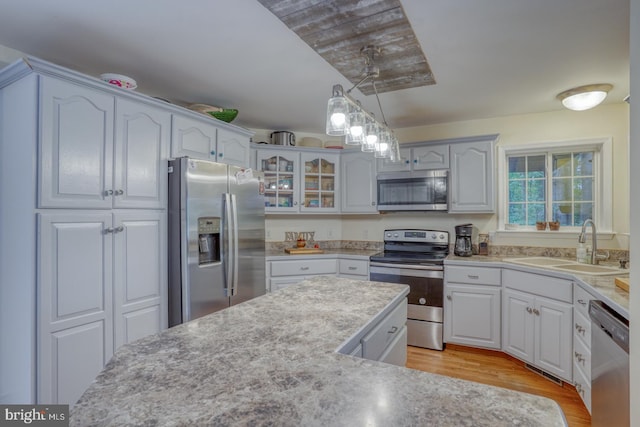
(338,29)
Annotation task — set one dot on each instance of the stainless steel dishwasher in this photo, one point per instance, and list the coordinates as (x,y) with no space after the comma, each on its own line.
(609,367)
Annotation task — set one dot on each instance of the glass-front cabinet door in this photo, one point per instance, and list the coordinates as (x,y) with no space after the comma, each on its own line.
(320,181)
(280,179)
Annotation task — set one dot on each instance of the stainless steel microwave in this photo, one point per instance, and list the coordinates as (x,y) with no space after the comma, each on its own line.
(413,191)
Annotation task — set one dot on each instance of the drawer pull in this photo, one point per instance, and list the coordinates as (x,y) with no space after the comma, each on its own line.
(393,330)
(304,268)
(353,268)
(583,302)
(580,329)
(473,276)
(579,357)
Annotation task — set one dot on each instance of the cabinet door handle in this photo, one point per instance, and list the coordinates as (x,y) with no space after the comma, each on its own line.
(536,312)
(119,229)
(119,192)
(213,153)
(393,330)
(304,268)
(109,230)
(473,276)
(580,329)
(353,268)
(583,302)
(219,154)
(578,357)
(529,310)
(449,297)
(579,388)
(108,193)
(373,203)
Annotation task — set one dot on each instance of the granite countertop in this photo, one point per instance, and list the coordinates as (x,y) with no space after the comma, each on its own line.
(273,361)
(601,287)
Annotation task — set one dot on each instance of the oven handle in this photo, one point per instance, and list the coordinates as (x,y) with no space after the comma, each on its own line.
(409,266)
(436,272)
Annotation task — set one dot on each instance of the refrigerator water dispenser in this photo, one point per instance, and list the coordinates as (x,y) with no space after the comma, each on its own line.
(208,240)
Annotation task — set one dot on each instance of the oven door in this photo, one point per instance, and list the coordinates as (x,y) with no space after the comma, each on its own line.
(426,287)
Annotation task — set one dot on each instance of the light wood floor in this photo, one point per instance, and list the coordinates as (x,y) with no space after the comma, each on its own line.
(499,369)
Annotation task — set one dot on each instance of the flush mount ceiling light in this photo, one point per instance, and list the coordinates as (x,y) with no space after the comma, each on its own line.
(346,117)
(584,97)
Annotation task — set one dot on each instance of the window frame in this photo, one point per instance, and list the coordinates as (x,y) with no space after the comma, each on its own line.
(603,178)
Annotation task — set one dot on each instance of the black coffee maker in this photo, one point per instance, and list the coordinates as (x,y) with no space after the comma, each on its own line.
(463,240)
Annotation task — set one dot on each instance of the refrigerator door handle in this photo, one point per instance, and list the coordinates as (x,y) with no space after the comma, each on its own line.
(228,259)
(235,261)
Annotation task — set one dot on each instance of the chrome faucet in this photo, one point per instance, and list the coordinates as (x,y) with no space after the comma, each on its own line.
(595,258)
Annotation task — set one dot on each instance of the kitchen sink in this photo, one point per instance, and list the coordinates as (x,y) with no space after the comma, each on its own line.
(567,265)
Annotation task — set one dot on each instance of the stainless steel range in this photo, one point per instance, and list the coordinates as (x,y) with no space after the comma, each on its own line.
(416,258)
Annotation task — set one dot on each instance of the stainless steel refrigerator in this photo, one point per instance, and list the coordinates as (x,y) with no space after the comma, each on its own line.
(216,237)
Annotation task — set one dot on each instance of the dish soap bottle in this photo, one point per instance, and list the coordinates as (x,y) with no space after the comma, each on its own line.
(581,253)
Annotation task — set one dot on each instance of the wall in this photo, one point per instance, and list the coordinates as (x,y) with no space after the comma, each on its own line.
(634,155)
(564,125)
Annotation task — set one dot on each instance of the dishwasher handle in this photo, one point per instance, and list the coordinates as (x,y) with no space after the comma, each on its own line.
(614,325)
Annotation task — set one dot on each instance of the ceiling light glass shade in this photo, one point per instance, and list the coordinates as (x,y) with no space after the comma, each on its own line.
(584,97)
(355,136)
(383,146)
(370,136)
(394,151)
(338,113)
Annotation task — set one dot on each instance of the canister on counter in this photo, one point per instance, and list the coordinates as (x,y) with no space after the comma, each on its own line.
(483,244)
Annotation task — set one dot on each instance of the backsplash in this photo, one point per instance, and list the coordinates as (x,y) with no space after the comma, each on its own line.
(494,250)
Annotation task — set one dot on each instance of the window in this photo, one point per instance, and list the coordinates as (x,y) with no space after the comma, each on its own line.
(556,182)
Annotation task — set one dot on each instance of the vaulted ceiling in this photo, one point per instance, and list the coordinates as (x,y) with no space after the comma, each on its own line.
(489,57)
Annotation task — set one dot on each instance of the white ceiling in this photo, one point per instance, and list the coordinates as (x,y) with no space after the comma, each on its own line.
(489,57)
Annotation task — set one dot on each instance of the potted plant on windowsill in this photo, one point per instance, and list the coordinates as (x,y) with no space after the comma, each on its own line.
(554,225)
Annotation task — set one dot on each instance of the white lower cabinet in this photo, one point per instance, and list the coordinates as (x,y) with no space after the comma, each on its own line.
(387,340)
(582,344)
(472,306)
(101,283)
(472,314)
(350,268)
(538,329)
(283,273)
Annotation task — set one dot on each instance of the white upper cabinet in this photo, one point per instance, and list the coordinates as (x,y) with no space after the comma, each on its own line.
(233,149)
(358,177)
(402,165)
(431,157)
(471,181)
(141,149)
(193,138)
(426,157)
(84,165)
(201,140)
(76,150)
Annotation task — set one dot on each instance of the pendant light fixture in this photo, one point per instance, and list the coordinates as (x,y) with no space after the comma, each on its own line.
(346,117)
(584,97)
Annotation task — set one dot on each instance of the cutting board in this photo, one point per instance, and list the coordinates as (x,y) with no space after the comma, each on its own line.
(623,283)
(299,251)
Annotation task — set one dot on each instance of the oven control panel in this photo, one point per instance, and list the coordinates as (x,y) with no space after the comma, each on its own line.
(413,235)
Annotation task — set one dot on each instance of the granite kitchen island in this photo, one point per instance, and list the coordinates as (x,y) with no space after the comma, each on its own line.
(274,361)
